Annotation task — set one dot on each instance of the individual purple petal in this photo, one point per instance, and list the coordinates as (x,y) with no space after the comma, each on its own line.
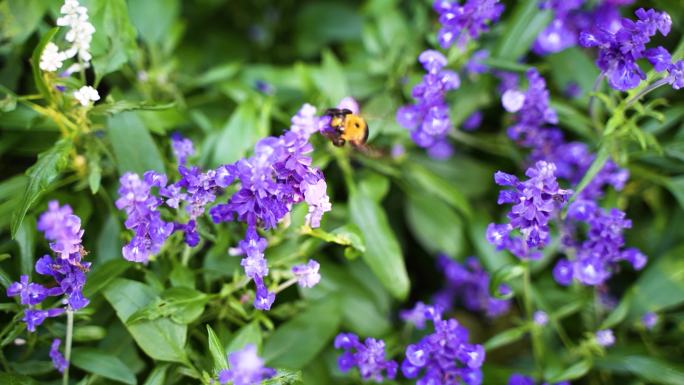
(307,274)
(58,360)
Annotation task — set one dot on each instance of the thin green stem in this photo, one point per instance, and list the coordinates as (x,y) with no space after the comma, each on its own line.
(534,332)
(186,255)
(645,91)
(67,345)
(592,100)
(285,285)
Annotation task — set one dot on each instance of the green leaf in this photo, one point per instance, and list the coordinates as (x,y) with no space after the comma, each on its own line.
(38,78)
(26,238)
(296,342)
(48,167)
(676,187)
(86,333)
(318,24)
(331,80)
(650,369)
(102,275)
(133,146)
(521,29)
(15,379)
(383,253)
(573,65)
(108,248)
(182,304)
(164,14)
(218,354)
(114,43)
(504,275)
(426,180)
(248,334)
(436,226)
(158,375)
(161,339)
(238,136)
(572,373)
(102,364)
(659,287)
(506,337)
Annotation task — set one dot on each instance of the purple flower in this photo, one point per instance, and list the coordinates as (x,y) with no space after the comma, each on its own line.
(35,317)
(305,123)
(368,357)
(63,229)
(136,199)
(245,368)
(476,65)
(597,256)
(443,354)
(512,100)
(605,338)
(676,74)
(307,274)
(469,284)
(428,119)
(58,360)
(540,318)
(318,201)
(29,293)
(182,148)
(535,202)
(461,23)
(649,320)
(556,37)
(420,314)
(659,58)
(473,121)
(620,50)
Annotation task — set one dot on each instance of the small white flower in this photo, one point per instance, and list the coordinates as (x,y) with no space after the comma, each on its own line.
(86,94)
(51,59)
(513,100)
(80,32)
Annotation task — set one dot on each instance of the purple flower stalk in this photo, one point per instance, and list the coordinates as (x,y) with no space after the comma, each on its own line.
(245,368)
(444,354)
(469,284)
(182,148)
(58,361)
(535,202)
(428,119)
(464,22)
(597,257)
(307,274)
(620,50)
(368,357)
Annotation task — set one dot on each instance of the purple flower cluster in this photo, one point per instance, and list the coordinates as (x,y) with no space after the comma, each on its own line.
(421,314)
(619,50)
(469,283)
(464,22)
(368,357)
(307,274)
(444,356)
(278,175)
(598,255)
(245,368)
(428,119)
(58,361)
(572,159)
(143,217)
(63,229)
(535,202)
(519,379)
(569,19)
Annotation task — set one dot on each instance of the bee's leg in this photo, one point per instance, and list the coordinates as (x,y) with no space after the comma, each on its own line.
(339,142)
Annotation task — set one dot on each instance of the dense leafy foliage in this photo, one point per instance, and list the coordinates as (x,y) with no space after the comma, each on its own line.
(172,209)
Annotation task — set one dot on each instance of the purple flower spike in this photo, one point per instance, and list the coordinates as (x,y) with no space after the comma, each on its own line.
(58,360)
(462,23)
(676,74)
(245,368)
(445,353)
(63,229)
(535,201)
(182,148)
(368,357)
(307,274)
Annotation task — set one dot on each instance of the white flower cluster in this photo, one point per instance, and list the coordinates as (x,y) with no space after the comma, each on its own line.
(86,94)
(80,35)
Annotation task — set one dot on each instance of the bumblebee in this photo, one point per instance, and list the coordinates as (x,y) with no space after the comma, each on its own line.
(347,127)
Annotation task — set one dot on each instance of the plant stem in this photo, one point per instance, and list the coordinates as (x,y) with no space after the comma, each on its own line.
(67,346)
(592,99)
(646,90)
(534,332)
